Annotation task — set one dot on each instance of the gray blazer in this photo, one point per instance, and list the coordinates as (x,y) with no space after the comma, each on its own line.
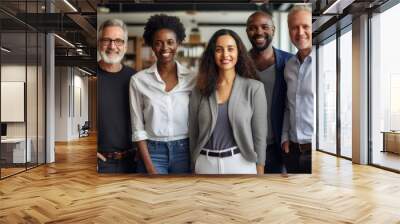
(247,111)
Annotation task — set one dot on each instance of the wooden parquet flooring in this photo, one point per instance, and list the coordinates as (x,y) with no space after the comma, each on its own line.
(71,191)
(10,171)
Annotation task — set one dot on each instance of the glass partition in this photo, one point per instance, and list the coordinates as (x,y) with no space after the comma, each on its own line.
(22,89)
(14,145)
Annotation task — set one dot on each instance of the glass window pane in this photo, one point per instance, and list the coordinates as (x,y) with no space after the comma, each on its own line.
(385,84)
(327,97)
(346,94)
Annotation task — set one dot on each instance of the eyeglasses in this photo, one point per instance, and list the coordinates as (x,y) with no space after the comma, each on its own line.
(108,41)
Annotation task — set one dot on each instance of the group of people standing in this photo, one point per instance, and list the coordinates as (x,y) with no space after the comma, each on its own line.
(243,112)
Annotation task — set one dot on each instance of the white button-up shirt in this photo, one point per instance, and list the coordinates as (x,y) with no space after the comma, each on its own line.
(156,114)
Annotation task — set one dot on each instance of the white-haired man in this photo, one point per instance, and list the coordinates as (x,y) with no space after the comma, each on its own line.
(115,149)
(298,126)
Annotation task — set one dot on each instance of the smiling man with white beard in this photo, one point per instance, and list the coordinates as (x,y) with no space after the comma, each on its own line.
(270,63)
(115,148)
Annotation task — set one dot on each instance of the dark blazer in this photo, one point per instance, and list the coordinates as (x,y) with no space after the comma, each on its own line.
(246,111)
(279,95)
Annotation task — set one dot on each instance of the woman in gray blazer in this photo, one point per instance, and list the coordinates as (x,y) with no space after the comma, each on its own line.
(227,111)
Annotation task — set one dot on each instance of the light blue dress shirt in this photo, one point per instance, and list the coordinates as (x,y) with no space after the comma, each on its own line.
(298,122)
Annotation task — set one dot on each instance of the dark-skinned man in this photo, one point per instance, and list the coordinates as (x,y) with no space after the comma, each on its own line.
(270,63)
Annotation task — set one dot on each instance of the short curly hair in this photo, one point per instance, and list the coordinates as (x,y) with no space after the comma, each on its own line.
(162,21)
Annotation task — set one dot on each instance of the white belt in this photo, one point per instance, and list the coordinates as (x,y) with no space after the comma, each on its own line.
(167,139)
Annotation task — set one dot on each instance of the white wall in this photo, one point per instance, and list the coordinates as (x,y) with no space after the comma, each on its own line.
(14,73)
(61,103)
(80,112)
(71,94)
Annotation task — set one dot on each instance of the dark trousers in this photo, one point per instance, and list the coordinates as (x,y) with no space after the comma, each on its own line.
(124,165)
(273,159)
(298,160)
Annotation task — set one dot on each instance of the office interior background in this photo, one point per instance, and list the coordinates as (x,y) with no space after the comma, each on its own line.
(44,95)
(48,86)
(48,64)
(200,22)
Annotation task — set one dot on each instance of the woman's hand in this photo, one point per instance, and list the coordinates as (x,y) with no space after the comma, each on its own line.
(151,170)
(144,152)
(260,170)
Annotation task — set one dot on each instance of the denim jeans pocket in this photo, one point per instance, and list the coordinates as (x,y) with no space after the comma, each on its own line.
(152,146)
(183,145)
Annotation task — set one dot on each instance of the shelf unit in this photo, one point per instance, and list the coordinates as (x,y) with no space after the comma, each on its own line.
(189,54)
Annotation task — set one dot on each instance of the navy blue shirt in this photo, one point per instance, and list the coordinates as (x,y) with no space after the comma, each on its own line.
(279,95)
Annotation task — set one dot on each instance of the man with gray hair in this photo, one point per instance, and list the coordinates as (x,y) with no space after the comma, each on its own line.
(115,151)
(298,125)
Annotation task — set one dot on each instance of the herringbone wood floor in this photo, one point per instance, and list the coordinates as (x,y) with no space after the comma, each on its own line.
(70,191)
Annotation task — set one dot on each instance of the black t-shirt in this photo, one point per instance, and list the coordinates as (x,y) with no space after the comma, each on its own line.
(114,123)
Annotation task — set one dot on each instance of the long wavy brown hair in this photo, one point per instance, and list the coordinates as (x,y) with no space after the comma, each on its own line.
(208,77)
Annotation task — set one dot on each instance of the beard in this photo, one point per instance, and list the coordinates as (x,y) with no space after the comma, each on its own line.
(112,60)
(268,41)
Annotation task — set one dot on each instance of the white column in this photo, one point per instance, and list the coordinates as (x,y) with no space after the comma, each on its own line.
(50,92)
(50,99)
(360,90)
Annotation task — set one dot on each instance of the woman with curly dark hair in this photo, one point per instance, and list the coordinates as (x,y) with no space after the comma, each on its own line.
(227,111)
(159,99)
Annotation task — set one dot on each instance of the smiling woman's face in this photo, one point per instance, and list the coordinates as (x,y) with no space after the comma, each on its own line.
(226,53)
(165,45)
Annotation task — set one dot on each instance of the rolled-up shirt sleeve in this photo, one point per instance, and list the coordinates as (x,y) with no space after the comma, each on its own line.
(136,109)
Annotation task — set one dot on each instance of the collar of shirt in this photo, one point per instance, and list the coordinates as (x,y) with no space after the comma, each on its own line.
(181,70)
(307,59)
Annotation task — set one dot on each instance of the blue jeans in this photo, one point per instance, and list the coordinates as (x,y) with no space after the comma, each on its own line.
(168,157)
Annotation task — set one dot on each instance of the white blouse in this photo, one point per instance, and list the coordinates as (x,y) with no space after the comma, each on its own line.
(156,114)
